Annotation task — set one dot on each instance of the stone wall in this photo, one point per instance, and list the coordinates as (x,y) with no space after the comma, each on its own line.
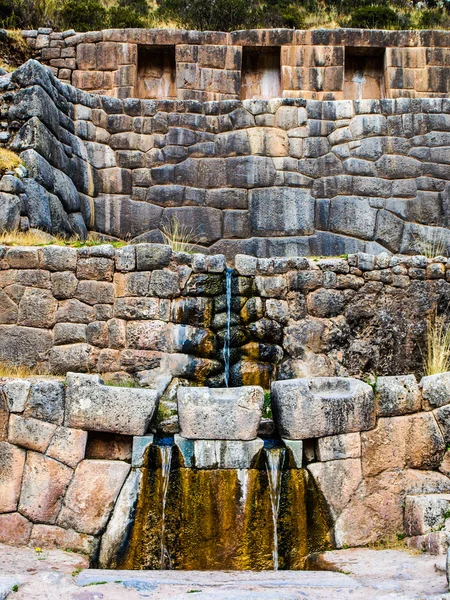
(316,64)
(270,178)
(74,460)
(144,312)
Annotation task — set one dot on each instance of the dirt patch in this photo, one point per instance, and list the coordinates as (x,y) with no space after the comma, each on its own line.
(14,51)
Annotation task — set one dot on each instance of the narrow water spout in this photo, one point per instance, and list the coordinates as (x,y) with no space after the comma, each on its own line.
(274,466)
(166,459)
(227,338)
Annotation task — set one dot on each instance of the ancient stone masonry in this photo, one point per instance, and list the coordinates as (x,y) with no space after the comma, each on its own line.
(74,456)
(147,313)
(193,65)
(265,177)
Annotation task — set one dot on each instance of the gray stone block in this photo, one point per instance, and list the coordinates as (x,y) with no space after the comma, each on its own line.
(281,211)
(397,395)
(9,212)
(37,205)
(322,406)
(92,406)
(220,414)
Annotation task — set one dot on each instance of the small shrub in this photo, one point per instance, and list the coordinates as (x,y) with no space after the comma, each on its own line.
(8,160)
(212,15)
(121,17)
(374,17)
(267,408)
(437,355)
(83,15)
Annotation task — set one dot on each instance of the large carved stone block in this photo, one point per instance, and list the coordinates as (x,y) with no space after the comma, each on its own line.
(221,413)
(92,406)
(322,406)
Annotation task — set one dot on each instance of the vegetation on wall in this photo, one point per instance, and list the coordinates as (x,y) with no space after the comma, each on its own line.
(225,15)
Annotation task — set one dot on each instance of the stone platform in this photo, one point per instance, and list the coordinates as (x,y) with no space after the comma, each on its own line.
(364,573)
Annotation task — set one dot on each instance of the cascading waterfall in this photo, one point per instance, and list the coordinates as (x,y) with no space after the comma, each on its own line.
(274,466)
(227,338)
(166,460)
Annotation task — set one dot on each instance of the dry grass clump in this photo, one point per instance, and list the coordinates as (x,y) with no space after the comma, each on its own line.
(436,358)
(8,160)
(434,244)
(32,237)
(36,237)
(181,238)
(9,370)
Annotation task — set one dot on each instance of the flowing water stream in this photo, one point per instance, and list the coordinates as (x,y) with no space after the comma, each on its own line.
(227,338)
(274,466)
(166,460)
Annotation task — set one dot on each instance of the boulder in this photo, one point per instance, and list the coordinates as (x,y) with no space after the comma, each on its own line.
(92,494)
(92,406)
(220,413)
(322,406)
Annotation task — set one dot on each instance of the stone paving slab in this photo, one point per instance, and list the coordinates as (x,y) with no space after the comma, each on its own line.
(230,579)
(7,584)
(365,574)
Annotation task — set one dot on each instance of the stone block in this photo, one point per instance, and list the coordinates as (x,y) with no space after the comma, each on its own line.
(37,308)
(122,519)
(141,444)
(12,460)
(352,215)
(92,406)
(339,447)
(338,481)
(322,406)
(30,433)
(9,212)
(413,441)
(8,309)
(68,446)
(152,256)
(46,401)
(24,345)
(43,487)
(436,389)
(281,211)
(95,292)
(397,395)
(56,258)
(96,268)
(15,530)
(214,413)
(16,392)
(92,494)
(426,513)
(52,536)
(69,333)
(219,454)
(70,357)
